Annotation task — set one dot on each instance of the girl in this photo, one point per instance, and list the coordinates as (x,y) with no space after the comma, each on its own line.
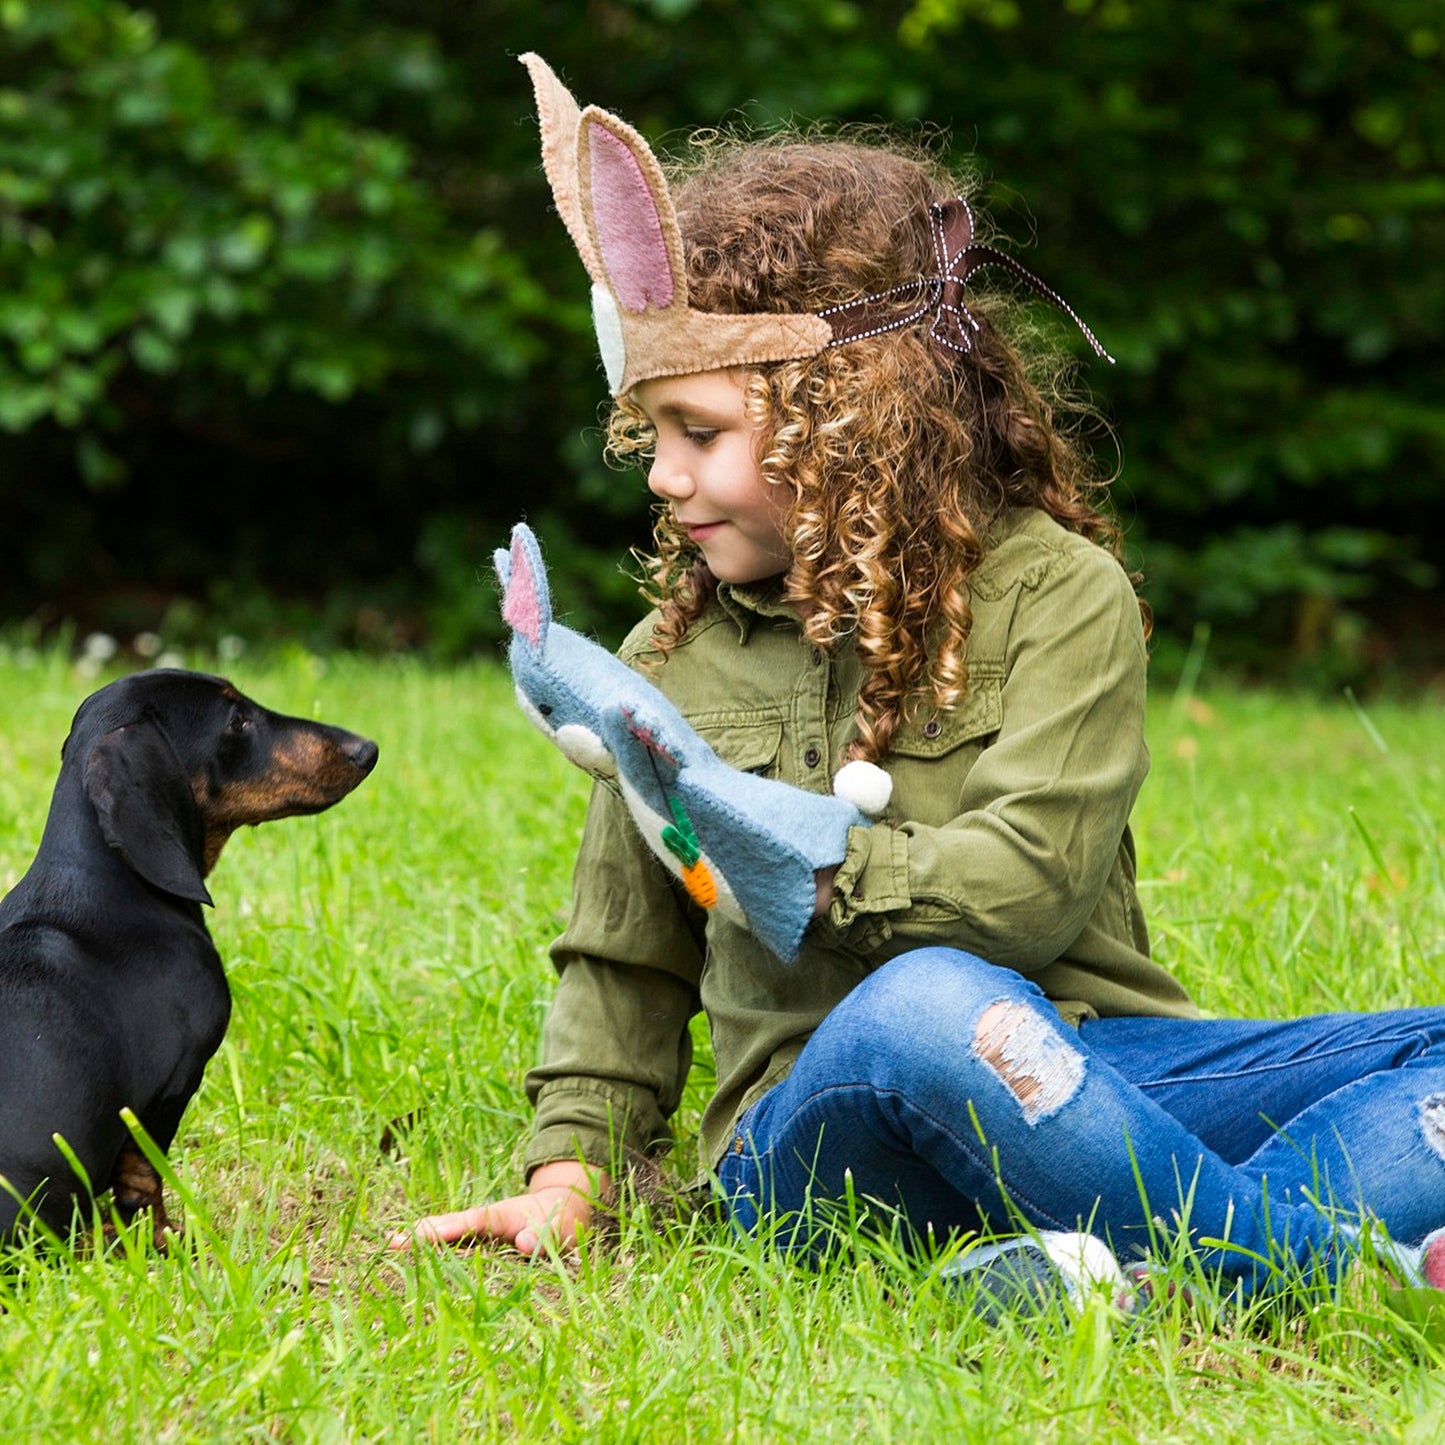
(876,541)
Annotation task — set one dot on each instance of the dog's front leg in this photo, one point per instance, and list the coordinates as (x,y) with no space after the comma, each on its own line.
(135,1185)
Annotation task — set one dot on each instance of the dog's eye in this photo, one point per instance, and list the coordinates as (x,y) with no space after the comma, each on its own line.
(239,723)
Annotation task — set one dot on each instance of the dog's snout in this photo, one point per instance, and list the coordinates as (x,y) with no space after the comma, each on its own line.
(361,752)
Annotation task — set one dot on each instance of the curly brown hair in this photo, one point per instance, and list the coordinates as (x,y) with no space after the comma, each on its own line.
(895,454)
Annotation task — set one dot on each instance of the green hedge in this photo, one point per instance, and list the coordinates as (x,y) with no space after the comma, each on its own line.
(289,336)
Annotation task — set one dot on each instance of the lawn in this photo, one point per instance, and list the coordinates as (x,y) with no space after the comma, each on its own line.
(389,971)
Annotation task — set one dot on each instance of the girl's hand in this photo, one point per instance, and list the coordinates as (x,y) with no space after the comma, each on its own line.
(559,1201)
(823,884)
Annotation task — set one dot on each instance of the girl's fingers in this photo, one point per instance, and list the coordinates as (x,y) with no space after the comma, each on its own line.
(485,1221)
(521,1221)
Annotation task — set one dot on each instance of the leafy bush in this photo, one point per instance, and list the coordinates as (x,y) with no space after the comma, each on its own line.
(284,316)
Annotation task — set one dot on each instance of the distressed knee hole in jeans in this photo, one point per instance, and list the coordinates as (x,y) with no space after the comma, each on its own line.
(1432,1122)
(1036,1066)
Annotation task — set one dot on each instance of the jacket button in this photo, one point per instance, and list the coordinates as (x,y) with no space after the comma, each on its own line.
(932,728)
(812,757)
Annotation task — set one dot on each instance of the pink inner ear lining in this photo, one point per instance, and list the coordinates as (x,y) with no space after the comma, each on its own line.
(629,229)
(520,609)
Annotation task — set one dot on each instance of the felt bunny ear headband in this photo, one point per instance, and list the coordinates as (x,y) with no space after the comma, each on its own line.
(613,197)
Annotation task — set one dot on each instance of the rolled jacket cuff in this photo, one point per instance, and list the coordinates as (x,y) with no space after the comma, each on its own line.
(873,877)
(590,1121)
(574,1143)
(871,883)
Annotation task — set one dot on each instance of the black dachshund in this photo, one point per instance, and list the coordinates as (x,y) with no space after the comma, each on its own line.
(112,994)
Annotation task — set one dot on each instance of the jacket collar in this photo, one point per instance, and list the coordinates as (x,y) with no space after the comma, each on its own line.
(745,603)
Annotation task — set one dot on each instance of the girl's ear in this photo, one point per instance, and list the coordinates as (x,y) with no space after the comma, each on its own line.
(526,602)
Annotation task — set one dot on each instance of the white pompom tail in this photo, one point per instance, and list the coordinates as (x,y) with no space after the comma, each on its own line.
(865,785)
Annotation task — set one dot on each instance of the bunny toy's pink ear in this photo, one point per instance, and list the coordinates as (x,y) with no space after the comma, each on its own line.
(526,602)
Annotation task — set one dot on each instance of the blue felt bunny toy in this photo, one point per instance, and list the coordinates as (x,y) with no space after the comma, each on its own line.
(745,845)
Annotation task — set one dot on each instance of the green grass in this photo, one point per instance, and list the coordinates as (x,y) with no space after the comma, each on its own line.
(388,961)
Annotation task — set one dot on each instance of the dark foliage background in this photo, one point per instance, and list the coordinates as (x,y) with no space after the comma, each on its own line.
(288,335)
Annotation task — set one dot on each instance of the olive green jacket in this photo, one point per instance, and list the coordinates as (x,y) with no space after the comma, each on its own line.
(1007,836)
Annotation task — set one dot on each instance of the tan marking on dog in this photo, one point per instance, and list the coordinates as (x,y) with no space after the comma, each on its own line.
(307,773)
(134,1186)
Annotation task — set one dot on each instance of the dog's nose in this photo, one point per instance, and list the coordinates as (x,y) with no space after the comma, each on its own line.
(362,752)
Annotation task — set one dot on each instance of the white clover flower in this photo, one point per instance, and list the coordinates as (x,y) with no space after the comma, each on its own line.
(99,647)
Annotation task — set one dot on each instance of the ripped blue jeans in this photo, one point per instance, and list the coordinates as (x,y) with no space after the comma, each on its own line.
(949,1090)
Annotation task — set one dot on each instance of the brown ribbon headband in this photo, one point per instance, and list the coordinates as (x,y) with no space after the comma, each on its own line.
(958,256)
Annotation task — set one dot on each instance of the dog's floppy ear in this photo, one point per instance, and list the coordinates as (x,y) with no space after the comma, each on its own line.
(147,814)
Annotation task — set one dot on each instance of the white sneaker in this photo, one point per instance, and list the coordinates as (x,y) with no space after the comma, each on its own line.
(1032,1273)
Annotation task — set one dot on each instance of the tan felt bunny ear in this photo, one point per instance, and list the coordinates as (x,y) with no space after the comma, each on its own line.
(629,214)
(613,197)
(560,118)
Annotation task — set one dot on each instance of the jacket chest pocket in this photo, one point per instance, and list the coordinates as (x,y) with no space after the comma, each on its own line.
(932,756)
(750,744)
